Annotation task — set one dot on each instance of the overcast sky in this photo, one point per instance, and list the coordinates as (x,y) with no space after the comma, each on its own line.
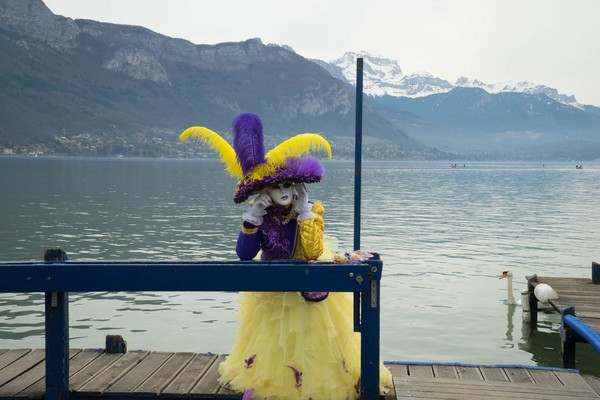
(550,42)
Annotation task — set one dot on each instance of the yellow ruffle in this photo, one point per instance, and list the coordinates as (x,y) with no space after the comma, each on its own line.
(288,348)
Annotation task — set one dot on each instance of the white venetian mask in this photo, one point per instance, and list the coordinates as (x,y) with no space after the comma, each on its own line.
(281,194)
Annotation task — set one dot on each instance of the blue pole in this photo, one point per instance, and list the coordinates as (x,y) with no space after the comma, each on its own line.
(57,345)
(358,151)
(357,176)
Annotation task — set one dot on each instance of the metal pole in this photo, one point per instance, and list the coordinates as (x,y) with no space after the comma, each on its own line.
(357,176)
(358,151)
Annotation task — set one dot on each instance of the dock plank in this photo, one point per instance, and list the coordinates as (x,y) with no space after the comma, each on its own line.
(547,378)
(438,388)
(397,369)
(494,374)
(421,370)
(469,373)
(209,384)
(140,372)
(163,376)
(445,371)
(21,364)
(27,379)
(10,356)
(191,374)
(112,373)
(92,368)
(79,359)
(594,382)
(519,375)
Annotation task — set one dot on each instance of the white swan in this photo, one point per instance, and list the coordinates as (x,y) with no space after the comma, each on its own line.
(508,274)
(543,292)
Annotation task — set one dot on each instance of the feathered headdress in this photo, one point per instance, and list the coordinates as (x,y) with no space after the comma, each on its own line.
(247,160)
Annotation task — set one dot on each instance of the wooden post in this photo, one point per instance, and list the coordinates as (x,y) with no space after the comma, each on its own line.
(533,302)
(57,336)
(568,340)
(115,344)
(595,273)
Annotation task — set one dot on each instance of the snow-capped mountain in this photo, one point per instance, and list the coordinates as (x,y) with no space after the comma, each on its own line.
(383,76)
(520,87)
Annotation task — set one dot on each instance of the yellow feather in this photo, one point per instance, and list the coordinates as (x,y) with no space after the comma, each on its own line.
(260,171)
(297,146)
(216,143)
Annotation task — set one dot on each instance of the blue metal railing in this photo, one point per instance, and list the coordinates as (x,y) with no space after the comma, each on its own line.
(585,333)
(583,330)
(57,278)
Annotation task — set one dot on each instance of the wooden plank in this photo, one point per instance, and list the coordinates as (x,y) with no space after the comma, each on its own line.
(165,374)
(10,356)
(571,379)
(427,388)
(135,376)
(518,375)
(593,381)
(209,384)
(79,359)
(95,367)
(493,374)
(420,370)
(544,377)
(469,373)
(21,364)
(445,371)
(191,374)
(397,369)
(115,371)
(27,379)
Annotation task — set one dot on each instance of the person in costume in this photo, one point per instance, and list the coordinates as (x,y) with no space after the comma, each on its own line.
(288,345)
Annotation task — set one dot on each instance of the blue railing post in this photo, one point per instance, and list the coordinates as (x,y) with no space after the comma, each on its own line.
(57,335)
(370,313)
(57,345)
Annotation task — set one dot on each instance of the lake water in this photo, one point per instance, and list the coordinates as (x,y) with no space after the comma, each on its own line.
(444,234)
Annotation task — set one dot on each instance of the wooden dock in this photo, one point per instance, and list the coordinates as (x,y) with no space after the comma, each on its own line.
(146,374)
(578,292)
(578,297)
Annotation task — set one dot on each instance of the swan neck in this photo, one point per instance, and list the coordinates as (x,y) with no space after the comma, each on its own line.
(509,288)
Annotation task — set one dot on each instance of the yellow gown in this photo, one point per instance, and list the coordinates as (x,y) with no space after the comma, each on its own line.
(289,348)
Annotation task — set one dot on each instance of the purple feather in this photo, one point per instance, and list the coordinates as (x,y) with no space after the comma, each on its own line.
(248,141)
(304,166)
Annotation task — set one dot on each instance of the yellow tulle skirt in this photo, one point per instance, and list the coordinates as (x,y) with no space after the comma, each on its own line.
(289,348)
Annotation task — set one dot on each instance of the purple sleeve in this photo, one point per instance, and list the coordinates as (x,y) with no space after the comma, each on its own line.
(248,245)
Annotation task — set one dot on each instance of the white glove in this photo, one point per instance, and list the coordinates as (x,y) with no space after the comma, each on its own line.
(301,205)
(255,212)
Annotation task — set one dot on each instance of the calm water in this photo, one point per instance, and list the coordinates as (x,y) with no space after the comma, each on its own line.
(444,236)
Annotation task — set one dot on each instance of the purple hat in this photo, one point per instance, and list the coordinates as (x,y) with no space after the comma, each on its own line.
(246,160)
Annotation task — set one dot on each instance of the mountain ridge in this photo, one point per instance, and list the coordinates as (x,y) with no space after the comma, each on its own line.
(519,120)
(421,84)
(121,85)
(82,87)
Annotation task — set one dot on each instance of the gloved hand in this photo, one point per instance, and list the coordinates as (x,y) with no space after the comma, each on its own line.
(301,205)
(255,212)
